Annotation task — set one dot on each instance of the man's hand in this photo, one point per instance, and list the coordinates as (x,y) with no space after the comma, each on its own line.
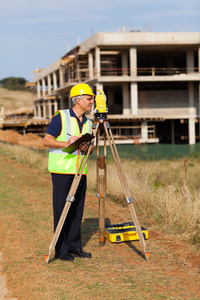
(83,146)
(73,139)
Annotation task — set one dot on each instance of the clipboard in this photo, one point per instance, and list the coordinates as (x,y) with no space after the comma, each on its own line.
(74,146)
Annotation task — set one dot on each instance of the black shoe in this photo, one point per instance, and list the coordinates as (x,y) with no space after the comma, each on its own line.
(64,256)
(80,253)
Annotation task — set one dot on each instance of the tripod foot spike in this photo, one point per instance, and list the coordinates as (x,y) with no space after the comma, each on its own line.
(101,241)
(46,258)
(147,255)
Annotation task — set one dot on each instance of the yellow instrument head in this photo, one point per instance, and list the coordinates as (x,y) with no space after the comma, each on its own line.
(100,103)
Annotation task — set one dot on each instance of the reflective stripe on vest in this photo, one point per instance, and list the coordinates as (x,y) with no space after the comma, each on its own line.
(59,161)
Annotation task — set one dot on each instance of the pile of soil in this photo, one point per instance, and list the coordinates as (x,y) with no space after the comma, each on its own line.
(29,140)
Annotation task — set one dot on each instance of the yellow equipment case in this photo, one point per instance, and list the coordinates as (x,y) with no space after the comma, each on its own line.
(123,232)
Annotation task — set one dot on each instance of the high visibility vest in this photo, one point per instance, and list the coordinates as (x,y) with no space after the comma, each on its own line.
(60,161)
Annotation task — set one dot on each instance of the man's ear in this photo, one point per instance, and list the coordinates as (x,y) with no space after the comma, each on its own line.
(78,101)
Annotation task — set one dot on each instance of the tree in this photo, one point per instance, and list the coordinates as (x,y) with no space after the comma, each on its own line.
(14,83)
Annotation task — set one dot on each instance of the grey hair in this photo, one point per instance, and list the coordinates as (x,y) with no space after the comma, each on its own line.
(75,98)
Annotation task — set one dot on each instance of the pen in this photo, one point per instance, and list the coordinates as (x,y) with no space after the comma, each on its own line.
(71,135)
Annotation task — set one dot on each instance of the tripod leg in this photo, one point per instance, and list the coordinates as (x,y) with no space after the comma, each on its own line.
(102,211)
(147,253)
(125,188)
(58,230)
(101,190)
(69,199)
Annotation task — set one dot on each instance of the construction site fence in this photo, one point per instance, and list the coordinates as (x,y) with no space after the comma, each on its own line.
(147,71)
(83,75)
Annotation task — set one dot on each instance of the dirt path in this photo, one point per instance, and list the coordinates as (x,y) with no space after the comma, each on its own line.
(4,292)
(116,271)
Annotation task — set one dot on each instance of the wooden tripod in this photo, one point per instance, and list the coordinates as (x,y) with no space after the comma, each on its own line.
(100,123)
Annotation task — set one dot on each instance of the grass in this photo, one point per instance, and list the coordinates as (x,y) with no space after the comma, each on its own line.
(33,158)
(116,271)
(166,192)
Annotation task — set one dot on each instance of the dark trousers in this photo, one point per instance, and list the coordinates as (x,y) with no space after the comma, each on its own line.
(70,236)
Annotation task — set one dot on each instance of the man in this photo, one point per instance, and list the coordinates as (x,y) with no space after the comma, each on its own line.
(65,128)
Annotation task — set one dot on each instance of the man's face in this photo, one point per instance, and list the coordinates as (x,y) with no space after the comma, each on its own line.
(86,103)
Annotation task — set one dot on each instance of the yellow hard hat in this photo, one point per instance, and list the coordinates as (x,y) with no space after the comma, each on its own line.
(81,89)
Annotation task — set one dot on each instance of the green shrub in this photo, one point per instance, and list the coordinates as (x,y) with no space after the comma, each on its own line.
(14,83)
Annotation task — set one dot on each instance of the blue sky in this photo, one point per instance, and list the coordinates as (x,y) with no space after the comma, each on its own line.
(34,34)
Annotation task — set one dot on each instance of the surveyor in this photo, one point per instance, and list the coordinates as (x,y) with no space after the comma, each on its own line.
(65,128)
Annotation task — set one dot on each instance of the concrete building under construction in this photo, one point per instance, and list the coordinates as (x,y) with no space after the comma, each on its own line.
(151,80)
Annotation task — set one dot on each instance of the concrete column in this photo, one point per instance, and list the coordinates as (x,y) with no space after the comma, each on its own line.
(124,63)
(90,65)
(54,81)
(191,129)
(191,121)
(97,62)
(35,110)
(43,87)
(38,90)
(134,98)
(61,78)
(49,84)
(144,131)
(133,61)
(55,105)
(99,86)
(190,61)
(44,110)
(192,112)
(172,132)
(126,97)
(50,109)
(39,110)
(191,96)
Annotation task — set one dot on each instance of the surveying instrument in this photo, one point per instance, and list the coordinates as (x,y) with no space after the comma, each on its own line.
(100,123)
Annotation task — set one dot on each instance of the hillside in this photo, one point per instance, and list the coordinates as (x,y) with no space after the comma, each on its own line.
(15,99)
